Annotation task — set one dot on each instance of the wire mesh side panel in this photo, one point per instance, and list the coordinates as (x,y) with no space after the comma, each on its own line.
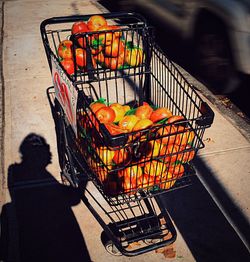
(169,88)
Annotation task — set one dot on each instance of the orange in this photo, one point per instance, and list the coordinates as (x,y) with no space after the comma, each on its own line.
(186,138)
(134,56)
(95,22)
(122,156)
(128,122)
(144,111)
(160,114)
(165,132)
(105,155)
(119,111)
(155,168)
(95,106)
(142,124)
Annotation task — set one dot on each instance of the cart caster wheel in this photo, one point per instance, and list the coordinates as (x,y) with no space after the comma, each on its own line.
(68,179)
(109,245)
(151,241)
(111,249)
(65,181)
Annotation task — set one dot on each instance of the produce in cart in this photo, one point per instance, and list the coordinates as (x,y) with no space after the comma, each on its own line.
(109,47)
(162,152)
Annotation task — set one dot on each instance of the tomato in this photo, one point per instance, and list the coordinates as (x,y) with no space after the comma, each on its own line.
(114,62)
(114,129)
(146,181)
(122,156)
(105,115)
(95,22)
(115,48)
(166,134)
(134,56)
(80,57)
(105,154)
(174,119)
(119,111)
(142,124)
(79,27)
(68,65)
(160,113)
(155,168)
(95,106)
(144,111)
(64,49)
(128,122)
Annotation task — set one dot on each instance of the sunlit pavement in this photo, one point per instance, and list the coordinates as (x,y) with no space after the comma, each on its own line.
(211,216)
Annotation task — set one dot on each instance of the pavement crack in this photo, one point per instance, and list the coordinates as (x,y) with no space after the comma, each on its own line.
(216,152)
(2,102)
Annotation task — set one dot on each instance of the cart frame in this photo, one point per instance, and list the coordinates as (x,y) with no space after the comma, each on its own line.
(156,81)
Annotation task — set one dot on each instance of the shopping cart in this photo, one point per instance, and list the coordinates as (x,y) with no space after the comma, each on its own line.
(120,66)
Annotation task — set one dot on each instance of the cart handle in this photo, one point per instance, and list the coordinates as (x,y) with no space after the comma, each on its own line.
(116,15)
(207,117)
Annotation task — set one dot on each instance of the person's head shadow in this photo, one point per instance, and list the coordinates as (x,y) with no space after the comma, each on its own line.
(45,226)
(35,157)
(35,152)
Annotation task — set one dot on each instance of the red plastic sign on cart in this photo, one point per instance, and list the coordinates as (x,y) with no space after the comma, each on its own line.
(65,92)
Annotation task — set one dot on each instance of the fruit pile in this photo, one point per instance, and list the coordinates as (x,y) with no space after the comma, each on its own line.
(108,45)
(161,153)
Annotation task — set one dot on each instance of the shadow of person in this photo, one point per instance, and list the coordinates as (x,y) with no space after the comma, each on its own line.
(46,226)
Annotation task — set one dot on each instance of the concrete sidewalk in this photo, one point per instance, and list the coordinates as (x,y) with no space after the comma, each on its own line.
(26,76)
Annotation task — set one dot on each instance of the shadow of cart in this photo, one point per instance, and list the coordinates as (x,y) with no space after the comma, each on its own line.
(204,226)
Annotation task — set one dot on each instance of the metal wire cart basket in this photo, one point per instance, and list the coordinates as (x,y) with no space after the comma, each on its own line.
(126,120)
